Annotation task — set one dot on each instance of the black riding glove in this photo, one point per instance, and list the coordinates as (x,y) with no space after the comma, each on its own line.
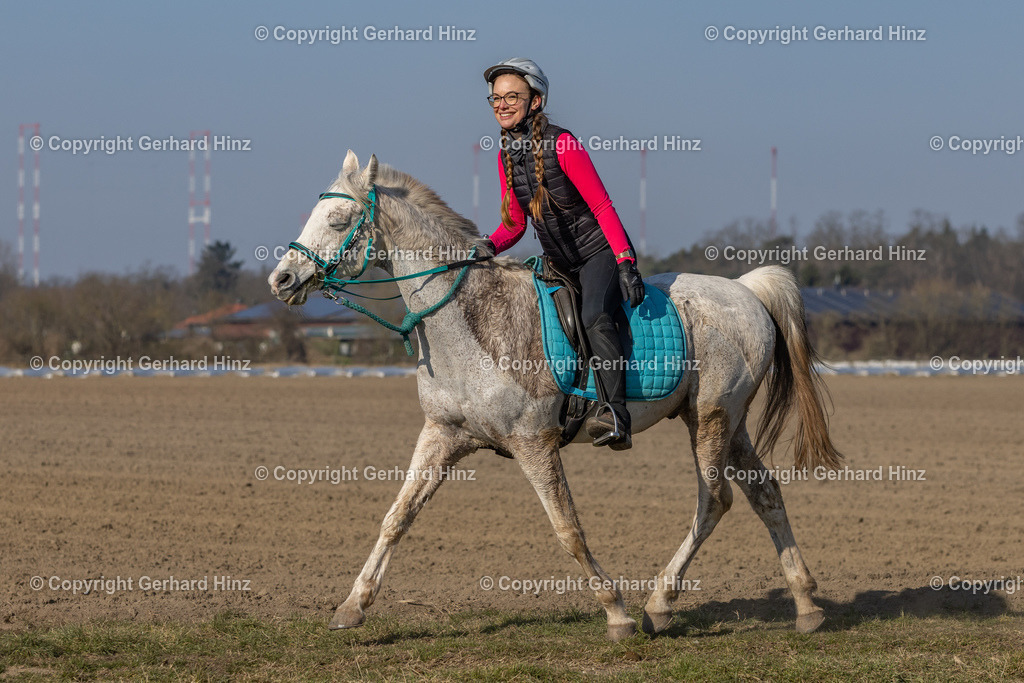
(630,282)
(488,244)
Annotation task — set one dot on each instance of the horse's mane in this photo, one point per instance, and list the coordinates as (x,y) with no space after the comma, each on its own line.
(443,225)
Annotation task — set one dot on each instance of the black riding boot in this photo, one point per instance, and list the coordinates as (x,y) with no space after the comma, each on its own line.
(609,428)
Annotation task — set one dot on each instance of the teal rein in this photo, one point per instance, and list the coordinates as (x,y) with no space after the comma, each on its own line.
(327,281)
(411,319)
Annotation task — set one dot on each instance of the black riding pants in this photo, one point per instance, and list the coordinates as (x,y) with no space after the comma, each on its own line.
(598,277)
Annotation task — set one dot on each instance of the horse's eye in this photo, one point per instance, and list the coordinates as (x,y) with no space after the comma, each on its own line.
(337,221)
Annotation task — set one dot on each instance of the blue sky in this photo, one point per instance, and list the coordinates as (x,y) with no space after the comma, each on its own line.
(852,120)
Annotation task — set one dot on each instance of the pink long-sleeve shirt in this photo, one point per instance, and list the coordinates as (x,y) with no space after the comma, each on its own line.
(579,169)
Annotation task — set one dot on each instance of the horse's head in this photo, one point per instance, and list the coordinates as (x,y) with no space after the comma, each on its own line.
(336,240)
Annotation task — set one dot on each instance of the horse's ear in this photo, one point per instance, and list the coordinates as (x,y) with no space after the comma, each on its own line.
(370,172)
(351,164)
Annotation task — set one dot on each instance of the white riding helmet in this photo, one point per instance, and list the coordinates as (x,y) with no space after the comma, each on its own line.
(527,68)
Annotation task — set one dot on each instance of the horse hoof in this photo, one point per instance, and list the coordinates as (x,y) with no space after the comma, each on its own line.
(617,632)
(656,622)
(807,623)
(346,617)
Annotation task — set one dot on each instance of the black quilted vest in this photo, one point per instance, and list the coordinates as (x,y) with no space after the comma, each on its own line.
(567,230)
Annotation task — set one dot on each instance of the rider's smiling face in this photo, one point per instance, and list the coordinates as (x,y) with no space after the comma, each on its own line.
(510,116)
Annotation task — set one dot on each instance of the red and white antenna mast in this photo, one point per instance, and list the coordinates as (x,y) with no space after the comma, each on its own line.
(198,209)
(34,127)
(476,183)
(643,201)
(774,186)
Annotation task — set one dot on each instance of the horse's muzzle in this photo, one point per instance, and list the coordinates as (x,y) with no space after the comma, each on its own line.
(286,286)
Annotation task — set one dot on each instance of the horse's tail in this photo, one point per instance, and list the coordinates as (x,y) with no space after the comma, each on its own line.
(793,377)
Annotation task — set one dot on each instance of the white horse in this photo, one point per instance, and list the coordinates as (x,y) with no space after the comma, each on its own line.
(742,332)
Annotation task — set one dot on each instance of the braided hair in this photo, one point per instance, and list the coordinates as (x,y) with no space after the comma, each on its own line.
(542,198)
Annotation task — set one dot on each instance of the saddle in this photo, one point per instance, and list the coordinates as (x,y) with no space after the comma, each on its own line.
(653,344)
(566,297)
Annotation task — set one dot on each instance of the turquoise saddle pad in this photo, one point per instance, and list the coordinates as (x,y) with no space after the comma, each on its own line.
(655,365)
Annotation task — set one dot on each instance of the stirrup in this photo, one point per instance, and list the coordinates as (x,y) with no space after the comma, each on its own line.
(617,443)
(616,438)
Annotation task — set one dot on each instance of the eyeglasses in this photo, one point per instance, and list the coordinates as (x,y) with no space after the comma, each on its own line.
(511,98)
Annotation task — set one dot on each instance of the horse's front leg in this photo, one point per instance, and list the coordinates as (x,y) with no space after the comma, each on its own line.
(438,448)
(542,466)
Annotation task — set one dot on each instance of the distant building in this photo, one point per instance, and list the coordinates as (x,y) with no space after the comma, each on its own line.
(887,305)
(201,325)
(317,318)
(883,323)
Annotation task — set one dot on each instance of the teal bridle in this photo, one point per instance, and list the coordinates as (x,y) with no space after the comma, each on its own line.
(324,276)
(327,282)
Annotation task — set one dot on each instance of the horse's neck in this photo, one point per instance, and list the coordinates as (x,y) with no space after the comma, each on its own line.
(489,312)
(410,259)
(445,327)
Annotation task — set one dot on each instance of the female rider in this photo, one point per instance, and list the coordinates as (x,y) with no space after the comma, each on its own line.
(550,175)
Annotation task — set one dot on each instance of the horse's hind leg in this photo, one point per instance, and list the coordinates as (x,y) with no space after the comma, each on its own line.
(714,498)
(438,447)
(762,490)
(542,466)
